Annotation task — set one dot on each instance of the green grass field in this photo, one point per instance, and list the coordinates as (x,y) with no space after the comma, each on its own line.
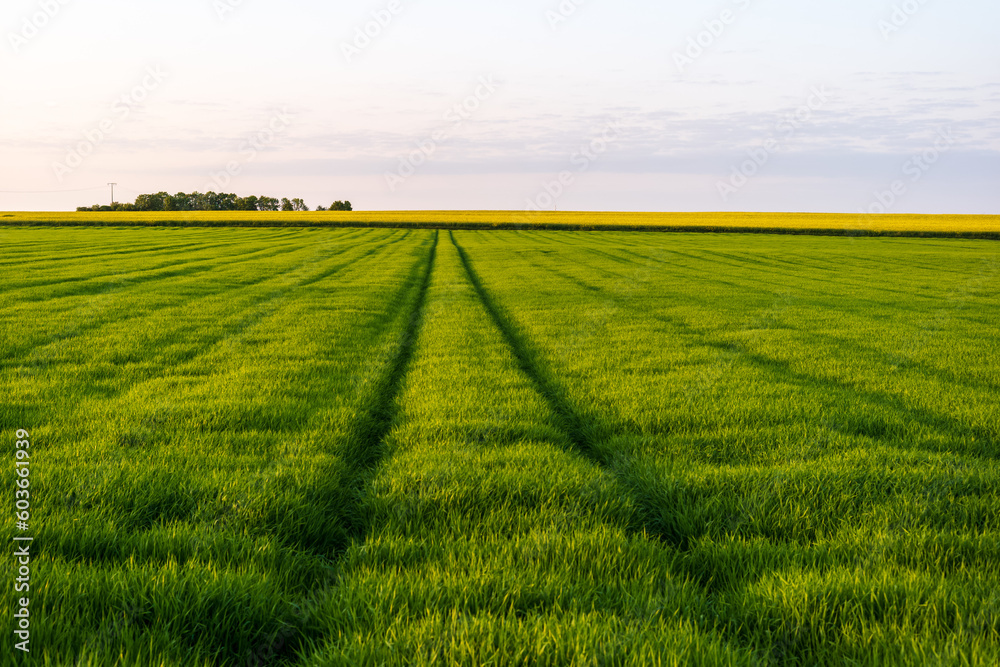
(419,447)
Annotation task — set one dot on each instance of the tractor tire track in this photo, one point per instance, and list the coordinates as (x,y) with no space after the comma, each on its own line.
(583,431)
(362,454)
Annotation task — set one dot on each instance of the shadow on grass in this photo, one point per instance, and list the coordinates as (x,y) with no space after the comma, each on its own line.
(343,501)
(365,448)
(312,527)
(582,432)
(879,415)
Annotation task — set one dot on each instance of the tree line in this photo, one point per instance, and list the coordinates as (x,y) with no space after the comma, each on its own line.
(213,201)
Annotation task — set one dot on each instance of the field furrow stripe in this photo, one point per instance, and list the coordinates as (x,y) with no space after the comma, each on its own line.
(165,262)
(584,432)
(364,447)
(96,323)
(365,444)
(579,431)
(117,252)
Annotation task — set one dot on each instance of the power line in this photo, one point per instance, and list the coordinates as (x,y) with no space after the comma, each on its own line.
(47,192)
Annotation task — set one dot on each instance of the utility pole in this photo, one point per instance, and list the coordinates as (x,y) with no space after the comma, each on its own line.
(112,192)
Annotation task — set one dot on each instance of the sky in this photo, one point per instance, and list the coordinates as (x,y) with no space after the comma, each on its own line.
(632,105)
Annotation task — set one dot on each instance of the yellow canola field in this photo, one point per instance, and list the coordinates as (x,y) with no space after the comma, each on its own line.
(987,225)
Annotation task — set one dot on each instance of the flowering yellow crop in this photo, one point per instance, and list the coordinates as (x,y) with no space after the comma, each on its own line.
(983,225)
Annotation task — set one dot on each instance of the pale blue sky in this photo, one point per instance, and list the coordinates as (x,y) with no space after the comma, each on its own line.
(329,126)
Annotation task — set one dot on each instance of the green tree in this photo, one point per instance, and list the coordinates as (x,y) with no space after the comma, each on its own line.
(247,203)
(155,202)
(211,201)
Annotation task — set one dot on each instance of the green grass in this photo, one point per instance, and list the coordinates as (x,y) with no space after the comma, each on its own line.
(366,446)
